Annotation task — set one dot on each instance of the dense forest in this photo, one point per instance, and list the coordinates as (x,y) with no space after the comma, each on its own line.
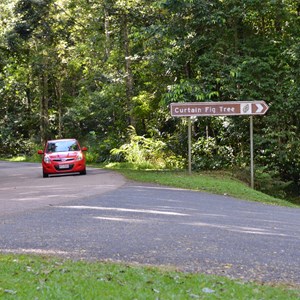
(105,72)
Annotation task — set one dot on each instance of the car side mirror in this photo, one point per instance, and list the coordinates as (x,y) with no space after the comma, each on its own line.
(40,152)
(84,149)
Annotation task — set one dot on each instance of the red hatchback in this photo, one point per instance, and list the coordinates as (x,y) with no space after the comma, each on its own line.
(63,156)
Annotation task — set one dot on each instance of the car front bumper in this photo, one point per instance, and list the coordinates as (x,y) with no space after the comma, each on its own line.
(60,168)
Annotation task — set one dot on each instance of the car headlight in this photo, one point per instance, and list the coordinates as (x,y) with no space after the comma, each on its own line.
(47,159)
(79,156)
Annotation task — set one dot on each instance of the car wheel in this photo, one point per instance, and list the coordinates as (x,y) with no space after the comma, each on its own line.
(83,172)
(45,175)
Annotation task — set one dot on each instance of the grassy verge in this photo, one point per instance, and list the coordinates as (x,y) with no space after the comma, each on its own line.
(35,277)
(211,182)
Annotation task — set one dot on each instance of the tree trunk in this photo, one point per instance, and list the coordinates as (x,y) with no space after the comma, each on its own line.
(58,91)
(107,33)
(128,71)
(44,105)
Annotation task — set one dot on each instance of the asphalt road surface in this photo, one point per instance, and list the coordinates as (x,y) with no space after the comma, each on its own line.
(101,216)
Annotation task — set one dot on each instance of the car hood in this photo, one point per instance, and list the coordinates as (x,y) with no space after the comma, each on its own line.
(71,154)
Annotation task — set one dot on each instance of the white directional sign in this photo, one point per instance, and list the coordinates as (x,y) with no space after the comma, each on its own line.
(227,108)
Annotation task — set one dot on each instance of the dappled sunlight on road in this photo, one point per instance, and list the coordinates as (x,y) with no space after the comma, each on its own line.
(35,251)
(240,229)
(114,219)
(118,209)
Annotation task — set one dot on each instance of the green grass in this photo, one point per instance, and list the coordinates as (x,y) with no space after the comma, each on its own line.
(211,182)
(16,159)
(36,277)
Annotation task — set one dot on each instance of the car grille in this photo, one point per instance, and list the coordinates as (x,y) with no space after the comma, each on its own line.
(64,169)
(63,159)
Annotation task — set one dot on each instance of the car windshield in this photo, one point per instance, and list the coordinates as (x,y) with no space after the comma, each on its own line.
(62,146)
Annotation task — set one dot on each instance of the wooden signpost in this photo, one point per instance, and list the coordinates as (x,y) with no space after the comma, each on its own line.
(227,108)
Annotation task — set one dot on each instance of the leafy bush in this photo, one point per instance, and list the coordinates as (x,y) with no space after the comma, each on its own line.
(146,153)
(11,146)
(270,183)
(208,155)
(280,154)
(99,148)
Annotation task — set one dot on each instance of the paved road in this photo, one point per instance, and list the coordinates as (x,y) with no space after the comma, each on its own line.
(101,216)
(23,188)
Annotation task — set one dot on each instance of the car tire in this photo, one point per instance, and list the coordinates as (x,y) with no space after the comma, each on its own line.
(45,175)
(83,172)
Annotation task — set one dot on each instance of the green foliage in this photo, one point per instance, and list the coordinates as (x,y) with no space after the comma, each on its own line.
(185,91)
(270,183)
(207,154)
(146,153)
(100,148)
(279,154)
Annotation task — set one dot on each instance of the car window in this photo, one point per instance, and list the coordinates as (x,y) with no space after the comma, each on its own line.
(62,146)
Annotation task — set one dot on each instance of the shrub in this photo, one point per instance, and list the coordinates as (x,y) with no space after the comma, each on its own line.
(270,183)
(147,153)
(99,148)
(208,155)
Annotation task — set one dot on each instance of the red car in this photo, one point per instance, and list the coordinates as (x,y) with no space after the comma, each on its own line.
(63,156)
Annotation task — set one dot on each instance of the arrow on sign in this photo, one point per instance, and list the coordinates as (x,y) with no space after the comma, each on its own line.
(259,108)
